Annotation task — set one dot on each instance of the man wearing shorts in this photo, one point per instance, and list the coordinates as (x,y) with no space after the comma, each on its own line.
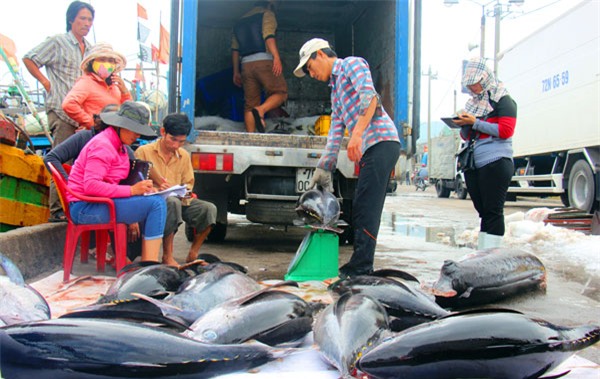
(254,42)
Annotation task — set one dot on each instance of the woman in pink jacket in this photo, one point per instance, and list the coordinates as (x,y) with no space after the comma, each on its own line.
(99,169)
(99,85)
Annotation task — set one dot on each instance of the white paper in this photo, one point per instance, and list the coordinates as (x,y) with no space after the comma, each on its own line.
(177,190)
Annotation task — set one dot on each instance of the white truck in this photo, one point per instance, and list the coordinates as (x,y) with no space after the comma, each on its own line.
(262,175)
(554,76)
(442,166)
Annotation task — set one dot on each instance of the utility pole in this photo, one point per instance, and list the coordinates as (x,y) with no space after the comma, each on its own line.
(430,76)
(498,17)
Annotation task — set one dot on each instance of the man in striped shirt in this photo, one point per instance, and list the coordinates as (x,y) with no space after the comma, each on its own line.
(61,55)
(374,144)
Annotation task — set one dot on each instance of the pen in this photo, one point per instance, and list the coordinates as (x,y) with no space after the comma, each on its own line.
(141,176)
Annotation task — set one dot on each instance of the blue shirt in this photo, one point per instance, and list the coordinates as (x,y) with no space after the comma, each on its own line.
(352,91)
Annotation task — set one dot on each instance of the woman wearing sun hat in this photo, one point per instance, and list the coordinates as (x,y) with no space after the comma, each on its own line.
(99,85)
(101,166)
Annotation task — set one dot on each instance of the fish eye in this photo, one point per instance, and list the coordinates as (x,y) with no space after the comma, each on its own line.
(209,335)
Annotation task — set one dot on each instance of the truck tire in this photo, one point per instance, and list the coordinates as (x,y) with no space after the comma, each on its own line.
(217,234)
(581,189)
(461,189)
(441,190)
(347,236)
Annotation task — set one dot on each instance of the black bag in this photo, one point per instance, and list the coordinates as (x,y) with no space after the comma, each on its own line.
(139,170)
(465,158)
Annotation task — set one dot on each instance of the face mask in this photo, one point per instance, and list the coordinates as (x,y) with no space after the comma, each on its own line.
(103,69)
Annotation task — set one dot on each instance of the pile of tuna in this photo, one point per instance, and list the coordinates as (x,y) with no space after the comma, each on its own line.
(210,319)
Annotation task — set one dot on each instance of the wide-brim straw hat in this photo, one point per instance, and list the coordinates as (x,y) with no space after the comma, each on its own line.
(131,116)
(103,49)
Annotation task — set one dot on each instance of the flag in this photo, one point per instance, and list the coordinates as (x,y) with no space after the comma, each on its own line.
(143,32)
(163,46)
(145,53)
(142,12)
(154,53)
(10,49)
(139,74)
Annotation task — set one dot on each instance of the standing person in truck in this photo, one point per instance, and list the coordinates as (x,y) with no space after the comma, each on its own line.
(490,117)
(172,165)
(61,55)
(254,42)
(374,142)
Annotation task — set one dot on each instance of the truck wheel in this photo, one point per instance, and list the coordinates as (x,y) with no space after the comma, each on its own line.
(347,237)
(217,234)
(461,189)
(581,186)
(441,190)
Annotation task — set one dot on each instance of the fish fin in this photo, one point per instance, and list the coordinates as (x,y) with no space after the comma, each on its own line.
(265,291)
(467,293)
(482,310)
(135,266)
(11,270)
(395,274)
(555,376)
(161,304)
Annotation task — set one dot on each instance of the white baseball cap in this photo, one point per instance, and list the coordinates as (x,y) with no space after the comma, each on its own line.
(306,50)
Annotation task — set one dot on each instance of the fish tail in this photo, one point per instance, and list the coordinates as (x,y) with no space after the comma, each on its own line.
(579,338)
(11,270)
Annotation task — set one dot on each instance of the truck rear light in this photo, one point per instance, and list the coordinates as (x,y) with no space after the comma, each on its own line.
(212,162)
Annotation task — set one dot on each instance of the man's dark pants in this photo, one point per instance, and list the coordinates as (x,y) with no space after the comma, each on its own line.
(376,167)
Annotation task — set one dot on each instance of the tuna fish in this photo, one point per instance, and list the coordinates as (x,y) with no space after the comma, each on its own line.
(94,348)
(200,293)
(488,275)
(347,328)
(319,208)
(20,302)
(477,344)
(269,316)
(402,298)
(148,279)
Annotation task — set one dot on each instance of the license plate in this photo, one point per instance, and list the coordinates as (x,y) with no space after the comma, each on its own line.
(303,176)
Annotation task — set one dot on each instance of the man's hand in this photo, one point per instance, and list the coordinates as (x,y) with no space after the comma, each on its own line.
(237,79)
(355,148)
(277,67)
(322,178)
(133,232)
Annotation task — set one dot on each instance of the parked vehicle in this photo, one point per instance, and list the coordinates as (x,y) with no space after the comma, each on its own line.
(443,173)
(262,175)
(554,76)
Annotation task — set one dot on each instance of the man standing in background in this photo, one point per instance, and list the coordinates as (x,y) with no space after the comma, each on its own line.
(61,55)
(254,42)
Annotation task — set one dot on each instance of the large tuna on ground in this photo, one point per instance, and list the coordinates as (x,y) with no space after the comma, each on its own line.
(94,348)
(488,275)
(270,316)
(399,292)
(344,330)
(477,344)
(19,302)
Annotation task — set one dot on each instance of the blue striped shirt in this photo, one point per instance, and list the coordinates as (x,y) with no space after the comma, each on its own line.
(351,94)
(61,56)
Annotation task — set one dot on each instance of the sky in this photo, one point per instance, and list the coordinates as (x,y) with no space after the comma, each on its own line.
(446,34)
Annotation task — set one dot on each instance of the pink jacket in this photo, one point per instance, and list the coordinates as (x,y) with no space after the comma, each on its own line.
(88,96)
(101,165)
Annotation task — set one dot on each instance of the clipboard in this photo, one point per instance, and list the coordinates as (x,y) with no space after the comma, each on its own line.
(450,122)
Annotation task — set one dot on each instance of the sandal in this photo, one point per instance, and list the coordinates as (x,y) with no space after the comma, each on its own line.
(258,121)
(58,217)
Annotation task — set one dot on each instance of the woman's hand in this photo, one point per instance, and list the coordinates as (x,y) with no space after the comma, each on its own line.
(465,119)
(116,79)
(142,187)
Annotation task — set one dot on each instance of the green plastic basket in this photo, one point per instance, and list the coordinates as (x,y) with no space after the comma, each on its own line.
(316,258)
